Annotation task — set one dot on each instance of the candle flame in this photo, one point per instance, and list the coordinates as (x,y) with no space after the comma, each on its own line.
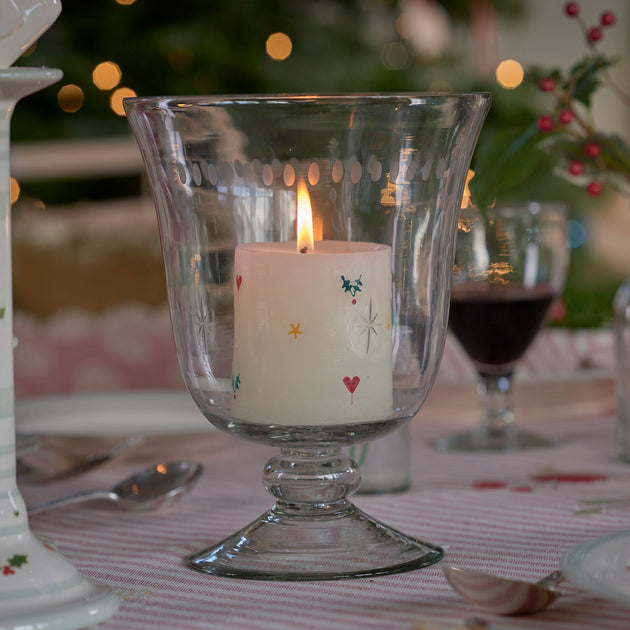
(304,220)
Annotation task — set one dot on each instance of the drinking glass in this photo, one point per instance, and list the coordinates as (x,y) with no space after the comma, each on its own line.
(510,266)
(309,345)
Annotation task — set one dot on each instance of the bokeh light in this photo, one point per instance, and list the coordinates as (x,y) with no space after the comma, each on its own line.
(125,2)
(106,75)
(70,98)
(509,74)
(14,189)
(394,56)
(279,46)
(116,99)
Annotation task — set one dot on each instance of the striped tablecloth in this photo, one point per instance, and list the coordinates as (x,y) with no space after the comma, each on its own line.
(509,513)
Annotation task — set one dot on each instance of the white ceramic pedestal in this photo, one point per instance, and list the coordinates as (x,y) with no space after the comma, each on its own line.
(39,588)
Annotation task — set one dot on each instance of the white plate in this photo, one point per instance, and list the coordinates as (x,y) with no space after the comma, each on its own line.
(120,413)
(601,566)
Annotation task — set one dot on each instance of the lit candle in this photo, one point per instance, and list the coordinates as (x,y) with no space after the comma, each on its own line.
(312,330)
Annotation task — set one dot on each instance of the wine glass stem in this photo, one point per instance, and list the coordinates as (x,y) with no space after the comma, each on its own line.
(495,391)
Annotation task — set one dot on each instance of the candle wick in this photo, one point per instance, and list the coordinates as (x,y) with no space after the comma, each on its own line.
(304,249)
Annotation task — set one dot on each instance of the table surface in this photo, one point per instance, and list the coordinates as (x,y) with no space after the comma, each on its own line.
(508,513)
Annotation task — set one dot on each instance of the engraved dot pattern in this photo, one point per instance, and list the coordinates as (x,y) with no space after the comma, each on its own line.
(403,169)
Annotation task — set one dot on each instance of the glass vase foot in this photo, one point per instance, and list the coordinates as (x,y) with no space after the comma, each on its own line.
(511,439)
(343,543)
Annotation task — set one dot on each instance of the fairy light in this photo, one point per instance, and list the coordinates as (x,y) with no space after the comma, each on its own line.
(14,189)
(279,46)
(116,99)
(509,74)
(70,98)
(106,75)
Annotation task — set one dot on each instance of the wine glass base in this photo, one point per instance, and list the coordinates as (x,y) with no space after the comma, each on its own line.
(285,545)
(511,439)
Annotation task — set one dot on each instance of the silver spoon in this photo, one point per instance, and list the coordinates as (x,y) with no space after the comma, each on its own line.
(53,461)
(148,489)
(503,596)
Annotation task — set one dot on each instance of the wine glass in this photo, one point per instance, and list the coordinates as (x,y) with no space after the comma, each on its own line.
(510,266)
(305,240)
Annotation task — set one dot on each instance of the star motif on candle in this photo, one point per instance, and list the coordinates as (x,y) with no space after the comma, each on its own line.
(370,325)
(295,330)
(351,287)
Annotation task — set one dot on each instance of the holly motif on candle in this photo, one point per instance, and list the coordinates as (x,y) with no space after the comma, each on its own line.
(351,287)
(351,385)
(236,383)
(239,281)
(295,330)
(2,310)
(15,562)
(370,325)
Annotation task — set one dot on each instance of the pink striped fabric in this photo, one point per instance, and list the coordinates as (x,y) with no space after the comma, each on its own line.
(74,350)
(509,513)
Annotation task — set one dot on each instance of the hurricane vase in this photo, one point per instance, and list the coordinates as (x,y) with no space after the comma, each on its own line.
(315,347)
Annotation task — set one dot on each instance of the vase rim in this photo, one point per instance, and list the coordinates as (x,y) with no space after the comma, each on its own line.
(412,98)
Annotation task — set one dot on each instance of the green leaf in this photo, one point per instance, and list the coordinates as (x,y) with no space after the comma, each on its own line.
(587,77)
(503,162)
(17,560)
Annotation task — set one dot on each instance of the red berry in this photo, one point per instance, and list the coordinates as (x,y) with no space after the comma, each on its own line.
(607,18)
(545,124)
(547,84)
(572,9)
(592,149)
(594,188)
(576,168)
(594,34)
(565,117)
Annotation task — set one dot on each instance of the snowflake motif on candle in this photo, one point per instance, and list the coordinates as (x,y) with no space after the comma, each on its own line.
(351,287)
(370,325)
(204,325)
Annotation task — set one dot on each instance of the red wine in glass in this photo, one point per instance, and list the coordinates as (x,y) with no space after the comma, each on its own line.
(495,324)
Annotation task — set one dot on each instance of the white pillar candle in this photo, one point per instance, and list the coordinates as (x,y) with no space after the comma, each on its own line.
(312,333)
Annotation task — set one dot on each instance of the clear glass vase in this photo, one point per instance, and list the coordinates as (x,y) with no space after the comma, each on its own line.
(309,345)
(621,308)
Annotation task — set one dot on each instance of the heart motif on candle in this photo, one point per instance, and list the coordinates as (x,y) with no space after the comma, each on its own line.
(239,281)
(351,383)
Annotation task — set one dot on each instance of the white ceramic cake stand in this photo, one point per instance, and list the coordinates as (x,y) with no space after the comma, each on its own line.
(39,588)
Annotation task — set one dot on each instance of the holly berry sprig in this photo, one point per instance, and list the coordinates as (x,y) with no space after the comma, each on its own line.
(586,157)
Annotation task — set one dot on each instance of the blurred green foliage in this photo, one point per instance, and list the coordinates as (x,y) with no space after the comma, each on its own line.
(213,47)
